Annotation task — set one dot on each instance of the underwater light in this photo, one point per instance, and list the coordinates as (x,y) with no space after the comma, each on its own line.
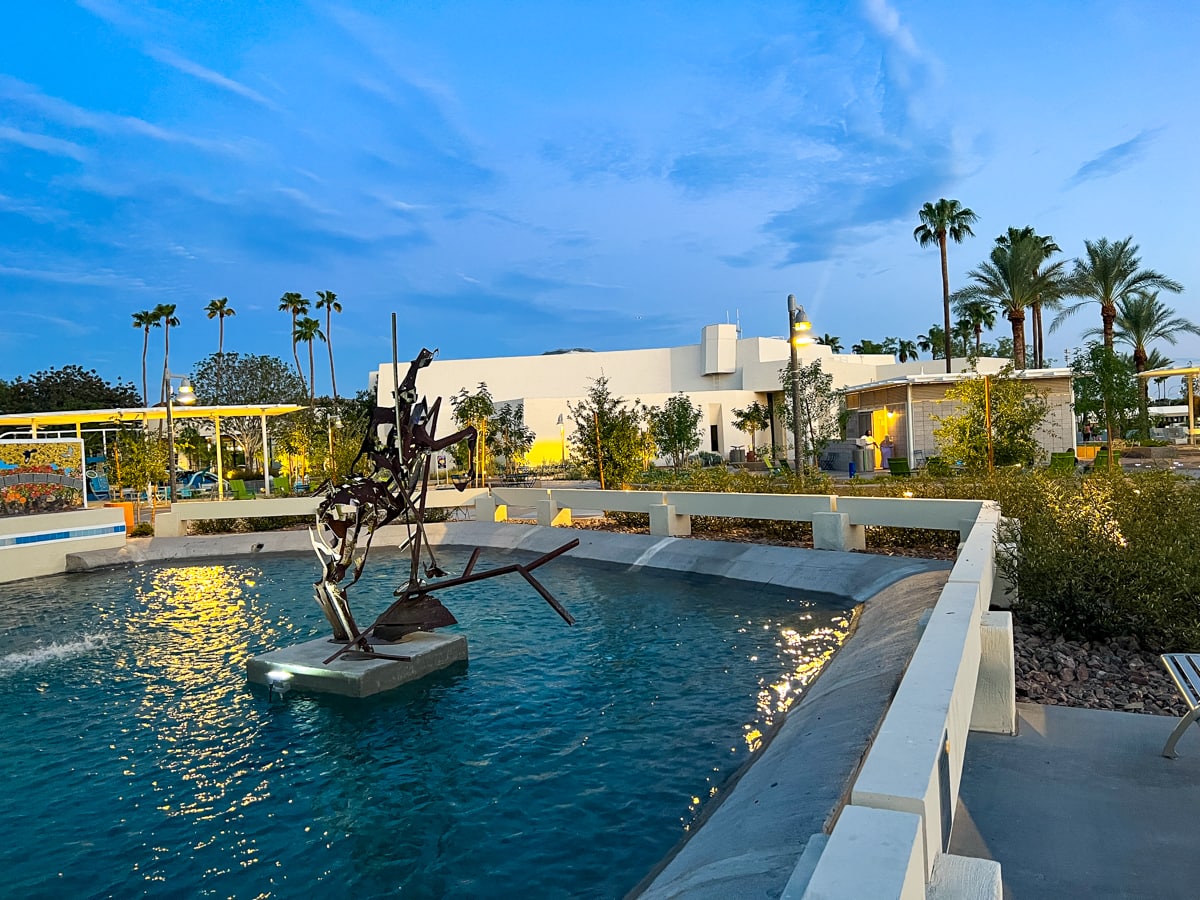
(280,682)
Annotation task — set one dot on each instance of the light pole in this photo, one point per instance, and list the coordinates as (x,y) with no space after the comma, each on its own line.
(798,335)
(562,440)
(187,396)
(332,421)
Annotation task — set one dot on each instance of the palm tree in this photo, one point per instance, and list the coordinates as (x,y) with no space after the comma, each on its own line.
(833,342)
(939,221)
(980,313)
(1049,248)
(307,331)
(906,349)
(328,301)
(145,320)
(1110,273)
(166,313)
(961,336)
(297,306)
(1013,278)
(220,309)
(933,342)
(1142,319)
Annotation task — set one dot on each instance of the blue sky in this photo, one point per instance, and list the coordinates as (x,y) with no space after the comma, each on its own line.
(517,177)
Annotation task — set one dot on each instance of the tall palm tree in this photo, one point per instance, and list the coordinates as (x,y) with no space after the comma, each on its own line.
(1111,272)
(307,331)
(979,312)
(906,349)
(293,303)
(166,313)
(328,301)
(1142,319)
(1049,248)
(833,342)
(145,320)
(1012,278)
(220,309)
(946,219)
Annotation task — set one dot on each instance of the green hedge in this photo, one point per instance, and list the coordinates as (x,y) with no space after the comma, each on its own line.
(1093,557)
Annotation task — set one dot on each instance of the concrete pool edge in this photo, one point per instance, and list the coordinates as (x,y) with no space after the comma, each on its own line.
(821,573)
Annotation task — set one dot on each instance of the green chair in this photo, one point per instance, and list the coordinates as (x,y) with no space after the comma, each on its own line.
(937,467)
(1062,463)
(1101,461)
(237,487)
(898,466)
(280,486)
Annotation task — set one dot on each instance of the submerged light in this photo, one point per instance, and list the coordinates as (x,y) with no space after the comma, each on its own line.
(278,682)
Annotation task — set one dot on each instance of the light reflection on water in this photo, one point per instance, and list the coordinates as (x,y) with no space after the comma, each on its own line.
(555,761)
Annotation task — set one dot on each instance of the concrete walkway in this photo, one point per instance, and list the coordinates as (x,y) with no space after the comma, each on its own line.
(1081,804)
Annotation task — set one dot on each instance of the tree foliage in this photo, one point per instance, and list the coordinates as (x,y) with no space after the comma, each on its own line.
(818,410)
(1017,411)
(247,378)
(609,441)
(71,387)
(752,419)
(1105,389)
(675,426)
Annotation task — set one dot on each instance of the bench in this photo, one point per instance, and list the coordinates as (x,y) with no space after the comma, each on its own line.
(1184,669)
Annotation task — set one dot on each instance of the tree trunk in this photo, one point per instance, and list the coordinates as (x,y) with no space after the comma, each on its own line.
(220,351)
(166,360)
(1038,346)
(946,297)
(312,381)
(1017,318)
(145,385)
(329,343)
(978,337)
(296,354)
(1108,314)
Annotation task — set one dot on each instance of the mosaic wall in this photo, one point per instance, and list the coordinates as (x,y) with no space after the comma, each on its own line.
(40,476)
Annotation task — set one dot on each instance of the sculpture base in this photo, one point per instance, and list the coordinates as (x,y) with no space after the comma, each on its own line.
(356,674)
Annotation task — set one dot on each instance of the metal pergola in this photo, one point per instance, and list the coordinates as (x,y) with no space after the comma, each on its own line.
(1188,373)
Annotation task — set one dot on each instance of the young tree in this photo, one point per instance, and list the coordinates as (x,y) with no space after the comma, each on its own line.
(608,441)
(1017,410)
(946,219)
(1105,389)
(477,410)
(509,437)
(754,418)
(675,427)
(818,409)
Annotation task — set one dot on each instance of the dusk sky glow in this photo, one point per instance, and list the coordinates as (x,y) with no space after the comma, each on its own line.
(518,177)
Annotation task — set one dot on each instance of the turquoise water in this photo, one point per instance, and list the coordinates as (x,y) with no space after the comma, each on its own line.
(558,762)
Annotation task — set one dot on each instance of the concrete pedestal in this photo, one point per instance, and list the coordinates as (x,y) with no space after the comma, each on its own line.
(357,674)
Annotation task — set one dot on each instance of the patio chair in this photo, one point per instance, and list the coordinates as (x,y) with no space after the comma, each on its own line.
(898,466)
(1062,463)
(238,489)
(98,488)
(279,485)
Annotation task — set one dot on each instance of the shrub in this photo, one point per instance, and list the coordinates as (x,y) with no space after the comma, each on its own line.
(145,529)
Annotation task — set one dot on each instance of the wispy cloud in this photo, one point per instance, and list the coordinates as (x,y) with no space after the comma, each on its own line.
(886,21)
(72,116)
(1115,159)
(91,279)
(41,142)
(186,66)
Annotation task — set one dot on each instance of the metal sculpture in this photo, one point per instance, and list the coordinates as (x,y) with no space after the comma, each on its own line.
(396,454)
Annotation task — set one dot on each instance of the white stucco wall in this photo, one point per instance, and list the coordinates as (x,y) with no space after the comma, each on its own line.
(743,370)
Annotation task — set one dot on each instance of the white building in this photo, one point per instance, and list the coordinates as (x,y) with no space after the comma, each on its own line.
(719,374)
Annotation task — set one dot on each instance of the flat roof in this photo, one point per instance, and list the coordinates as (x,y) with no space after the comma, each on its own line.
(1163,373)
(135,414)
(952,377)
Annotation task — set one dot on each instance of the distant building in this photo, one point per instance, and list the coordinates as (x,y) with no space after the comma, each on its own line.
(719,374)
(906,406)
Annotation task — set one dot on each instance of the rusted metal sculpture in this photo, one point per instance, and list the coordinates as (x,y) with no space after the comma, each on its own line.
(396,454)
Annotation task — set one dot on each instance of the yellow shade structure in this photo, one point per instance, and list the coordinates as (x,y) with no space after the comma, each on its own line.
(144,414)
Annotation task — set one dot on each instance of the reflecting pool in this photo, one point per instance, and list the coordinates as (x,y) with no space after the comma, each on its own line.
(558,762)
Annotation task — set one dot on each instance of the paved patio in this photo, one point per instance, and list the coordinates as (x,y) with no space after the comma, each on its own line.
(1081,804)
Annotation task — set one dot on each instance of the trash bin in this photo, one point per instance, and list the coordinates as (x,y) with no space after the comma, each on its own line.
(128,508)
(864,460)
(737,455)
